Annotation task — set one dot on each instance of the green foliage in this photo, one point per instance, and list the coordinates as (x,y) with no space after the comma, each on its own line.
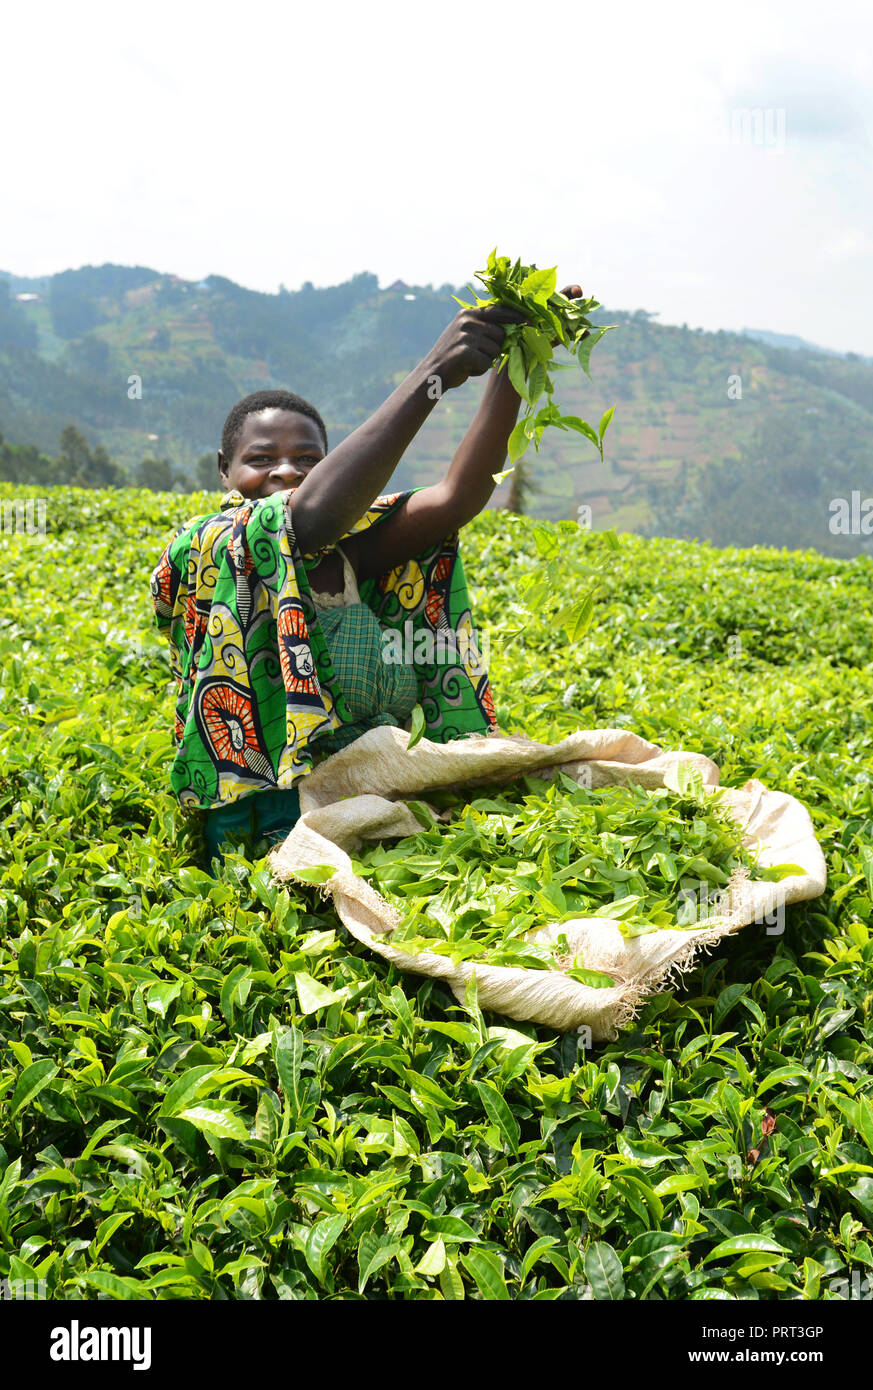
(206,473)
(81,466)
(77,463)
(208,1090)
(19,461)
(551,318)
(562,587)
(155,474)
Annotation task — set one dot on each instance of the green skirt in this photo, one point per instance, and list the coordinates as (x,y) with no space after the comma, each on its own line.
(270,815)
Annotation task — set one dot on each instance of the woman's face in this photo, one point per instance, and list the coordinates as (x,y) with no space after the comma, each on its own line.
(275,451)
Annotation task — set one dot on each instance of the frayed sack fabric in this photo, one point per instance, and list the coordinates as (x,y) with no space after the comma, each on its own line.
(359,794)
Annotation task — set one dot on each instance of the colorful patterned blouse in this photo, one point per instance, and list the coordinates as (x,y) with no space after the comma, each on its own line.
(256,682)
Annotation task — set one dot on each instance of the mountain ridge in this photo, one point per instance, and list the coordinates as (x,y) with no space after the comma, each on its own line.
(689,403)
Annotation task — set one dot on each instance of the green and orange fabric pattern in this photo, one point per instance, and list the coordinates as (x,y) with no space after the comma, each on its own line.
(259,700)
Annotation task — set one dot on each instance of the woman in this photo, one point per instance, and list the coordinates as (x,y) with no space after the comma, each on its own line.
(276,628)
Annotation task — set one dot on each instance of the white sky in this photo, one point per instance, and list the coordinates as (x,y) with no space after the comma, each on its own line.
(284,142)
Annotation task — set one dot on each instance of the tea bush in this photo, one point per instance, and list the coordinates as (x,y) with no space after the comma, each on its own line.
(208,1090)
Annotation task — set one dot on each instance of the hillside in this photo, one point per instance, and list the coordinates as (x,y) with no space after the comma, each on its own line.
(685,457)
(183,1114)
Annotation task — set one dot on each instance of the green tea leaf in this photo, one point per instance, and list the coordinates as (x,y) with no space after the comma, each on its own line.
(433,1261)
(417,727)
(647,1153)
(587,346)
(742,1244)
(315,873)
(288,1055)
(322,1237)
(499,1114)
(516,372)
(221,1124)
(487,1271)
(374,1252)
(594,979)
(31,1081)
(540,283)
(576,618)
(603,1271)
(162,995)
(314,996)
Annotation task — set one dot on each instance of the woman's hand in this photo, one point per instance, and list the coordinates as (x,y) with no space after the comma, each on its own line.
(470,344)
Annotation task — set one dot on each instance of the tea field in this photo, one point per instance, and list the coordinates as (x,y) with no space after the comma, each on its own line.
(209,1091)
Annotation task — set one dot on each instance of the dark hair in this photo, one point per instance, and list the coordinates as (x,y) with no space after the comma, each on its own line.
(265,400)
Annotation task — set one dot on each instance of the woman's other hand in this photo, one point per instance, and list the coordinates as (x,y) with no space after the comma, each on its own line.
(570,292)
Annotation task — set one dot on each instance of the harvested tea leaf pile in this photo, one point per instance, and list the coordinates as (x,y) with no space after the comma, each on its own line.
(536,853)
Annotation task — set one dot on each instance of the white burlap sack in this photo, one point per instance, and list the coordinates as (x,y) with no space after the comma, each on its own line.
(358,795)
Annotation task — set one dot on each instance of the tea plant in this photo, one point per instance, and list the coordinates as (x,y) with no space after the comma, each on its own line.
(208,1090)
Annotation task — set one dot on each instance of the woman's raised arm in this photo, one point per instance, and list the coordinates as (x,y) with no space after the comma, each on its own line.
(338,490)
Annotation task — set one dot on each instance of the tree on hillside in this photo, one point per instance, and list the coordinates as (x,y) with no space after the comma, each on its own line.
(74,456)
(206,473)
(155,474)
(90,356)
(80,466)
(76,465)
(104,471)
(23,463)
(521,486)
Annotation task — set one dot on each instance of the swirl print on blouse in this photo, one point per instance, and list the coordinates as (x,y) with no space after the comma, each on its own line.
(256,685)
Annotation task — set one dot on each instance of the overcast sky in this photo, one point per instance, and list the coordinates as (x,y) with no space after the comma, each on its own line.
(281,143)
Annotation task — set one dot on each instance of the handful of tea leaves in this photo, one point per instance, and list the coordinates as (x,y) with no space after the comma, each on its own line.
(527,354)
(535,853)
